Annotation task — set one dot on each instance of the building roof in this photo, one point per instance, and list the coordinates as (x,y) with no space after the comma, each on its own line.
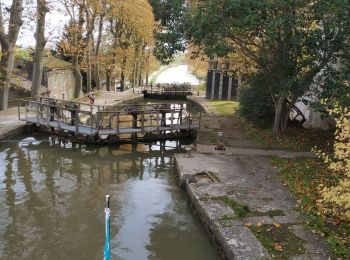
(54,63)
(50,62)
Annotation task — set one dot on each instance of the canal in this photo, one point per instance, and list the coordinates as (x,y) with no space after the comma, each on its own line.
(52,200)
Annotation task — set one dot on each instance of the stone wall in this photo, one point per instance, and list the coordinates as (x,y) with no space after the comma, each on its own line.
(61,84)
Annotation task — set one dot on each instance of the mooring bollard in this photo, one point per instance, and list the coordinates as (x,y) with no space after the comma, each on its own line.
(220,142)
(188,150)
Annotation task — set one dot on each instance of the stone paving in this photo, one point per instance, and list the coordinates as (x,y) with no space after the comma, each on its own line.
(10,124)
(110,98)
(222,183)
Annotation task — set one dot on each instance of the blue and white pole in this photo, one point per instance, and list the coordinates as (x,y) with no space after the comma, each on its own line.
(107,255)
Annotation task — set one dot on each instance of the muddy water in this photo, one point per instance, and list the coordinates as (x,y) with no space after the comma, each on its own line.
(52,200)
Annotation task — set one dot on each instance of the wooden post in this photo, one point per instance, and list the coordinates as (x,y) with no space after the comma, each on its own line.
(163,118)
(117,130)
(143,122)
(180,115)
(76,122)
(26,106)
(157,120)
(172,120)
(19,112)
(110,121)
(37,111)
(91,122)
(48,113)
(98,122)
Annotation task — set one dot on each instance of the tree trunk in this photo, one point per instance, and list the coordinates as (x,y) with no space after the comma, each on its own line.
(5,72)
(75,60)
(282,110)
(122,74)
(39,47)
(90,26)
(77,77)
(140,79)
(108,79)
(8,41)
(147,75)
(97,53)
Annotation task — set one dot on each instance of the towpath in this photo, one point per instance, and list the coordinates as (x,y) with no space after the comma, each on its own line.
(240,197)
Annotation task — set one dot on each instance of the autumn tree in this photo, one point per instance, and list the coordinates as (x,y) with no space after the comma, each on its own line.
(74,44)
(8,39)
(131,27)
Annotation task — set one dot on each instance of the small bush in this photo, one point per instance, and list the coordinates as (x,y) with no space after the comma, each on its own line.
(335,200)
(255,102)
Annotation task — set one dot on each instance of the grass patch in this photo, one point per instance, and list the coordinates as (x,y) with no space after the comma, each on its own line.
(270,213)
(295,138)
(280,242)
(224,108)
(243,211)
(303,177)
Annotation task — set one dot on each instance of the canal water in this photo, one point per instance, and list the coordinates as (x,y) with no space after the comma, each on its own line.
(179,74)
(52,200)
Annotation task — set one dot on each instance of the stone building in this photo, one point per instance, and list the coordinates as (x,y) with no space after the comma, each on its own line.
(57,77)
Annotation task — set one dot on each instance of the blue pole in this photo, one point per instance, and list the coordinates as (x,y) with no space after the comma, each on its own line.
(107,255)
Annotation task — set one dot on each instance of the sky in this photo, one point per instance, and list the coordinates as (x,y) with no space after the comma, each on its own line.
(55,21)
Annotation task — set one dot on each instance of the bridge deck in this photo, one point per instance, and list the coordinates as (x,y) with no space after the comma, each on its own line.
(97,121)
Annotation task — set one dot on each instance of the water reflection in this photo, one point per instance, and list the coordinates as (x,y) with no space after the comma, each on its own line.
(52,194)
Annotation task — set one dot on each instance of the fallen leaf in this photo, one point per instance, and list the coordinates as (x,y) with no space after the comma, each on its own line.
(336,221)
(259,224)
(277,225)
(248,224)
(278,247)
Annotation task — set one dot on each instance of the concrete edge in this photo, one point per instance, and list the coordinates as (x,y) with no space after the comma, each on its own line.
(120,102)
(198,103)
(226,247)
(13,132)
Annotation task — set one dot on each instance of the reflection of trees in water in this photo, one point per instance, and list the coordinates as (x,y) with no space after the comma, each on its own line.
(62,191)
(12,235)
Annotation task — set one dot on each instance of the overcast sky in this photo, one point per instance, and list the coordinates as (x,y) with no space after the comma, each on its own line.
(55,21)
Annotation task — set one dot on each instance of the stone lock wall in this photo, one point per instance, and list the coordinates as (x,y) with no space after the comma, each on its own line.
(220,86)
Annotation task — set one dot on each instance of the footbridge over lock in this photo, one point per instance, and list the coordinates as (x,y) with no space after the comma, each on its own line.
(81,121)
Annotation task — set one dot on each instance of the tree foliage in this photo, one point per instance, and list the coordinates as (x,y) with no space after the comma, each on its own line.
(335,200)
(170,31)
(289,41)
(121,41)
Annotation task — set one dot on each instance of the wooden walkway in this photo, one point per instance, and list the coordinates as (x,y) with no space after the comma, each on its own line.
(122,122)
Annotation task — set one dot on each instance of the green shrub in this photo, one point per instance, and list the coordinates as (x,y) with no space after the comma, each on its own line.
(255,102)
